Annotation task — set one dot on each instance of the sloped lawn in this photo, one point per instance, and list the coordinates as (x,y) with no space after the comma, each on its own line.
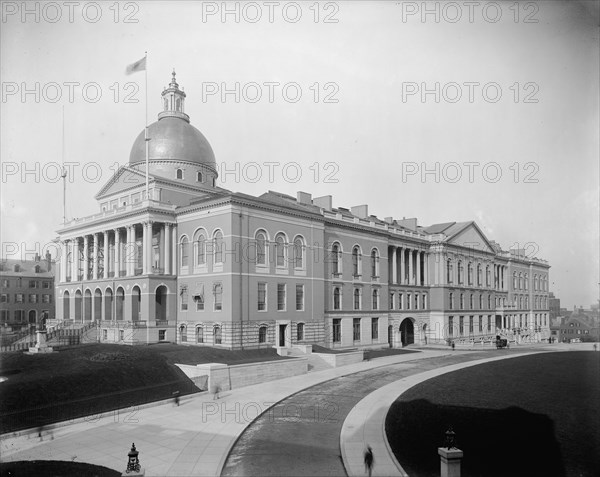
(90,379)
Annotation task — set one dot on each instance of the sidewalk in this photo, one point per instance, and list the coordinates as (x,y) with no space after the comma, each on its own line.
(192,439)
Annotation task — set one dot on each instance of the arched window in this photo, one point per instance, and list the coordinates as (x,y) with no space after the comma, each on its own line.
(217,339)
(514,280)
(479,274)
(200,248)
(424,302)
(449,271)
(298,252)
(336,261)
(183,333)
(489,302)
(374,263)
(526,281)
(178,104)
(337,296)
(179,173)
(218,296)
(218,244)
(184,251)
(280,251)
(460,272)
(300,332)
(261,248)
(199,177)
(262,334)
(487,276)
(451,301)
(357,299)
(356,261)
(470,273)
(199,334)
(520,281)
(375,299)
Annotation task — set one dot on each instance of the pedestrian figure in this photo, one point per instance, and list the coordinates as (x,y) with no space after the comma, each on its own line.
(176,398)
(595,347)
(216,390)
(40,432)
(369,461)
(453,345)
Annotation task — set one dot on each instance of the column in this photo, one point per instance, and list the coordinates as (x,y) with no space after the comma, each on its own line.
(402,265)
(117,265)
(161,242)
(167,252)
(410,266)
(128,250)
(418,257)
(426,269)
(95,257)
(502,284)
(394,267)
(74,258)
(145,269)
(148,245)
(105,260)
(174,250)
(86,262)
(63,263)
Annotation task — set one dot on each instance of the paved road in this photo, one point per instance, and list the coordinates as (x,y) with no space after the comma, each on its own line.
(300,436)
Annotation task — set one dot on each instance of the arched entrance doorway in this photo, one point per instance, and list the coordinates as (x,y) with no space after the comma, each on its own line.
(78,306)
(98,305)
(407,332)
(66,305)
(108,305)
(160,305)
(136,303)
(32,317)
(120,303)
(87,305)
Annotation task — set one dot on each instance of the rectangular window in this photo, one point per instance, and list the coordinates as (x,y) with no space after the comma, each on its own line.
(374,329)
(357,298)
(262,297)
(408,302)
(480,323)
(391,301)
(4,315)
(4,283)
(32,284)
(19,298)
(337,330)
(399,301)
(416,301)
(104,335)
(300,332)
(46,285)
(218,296)
(19,316)
(33,298)
(337,294)
(299,297)
(45,298)
(280,297)
(461,325)
(184,299)
(122,335)
(4,298)
(356,329)
(450,326)
(424,302)
(199,302)
(470,325)
(162,335)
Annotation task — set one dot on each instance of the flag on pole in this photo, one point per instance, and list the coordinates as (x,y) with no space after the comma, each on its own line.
(139,65)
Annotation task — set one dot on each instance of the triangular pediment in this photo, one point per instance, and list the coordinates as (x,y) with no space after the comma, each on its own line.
(125,179)
(470,236)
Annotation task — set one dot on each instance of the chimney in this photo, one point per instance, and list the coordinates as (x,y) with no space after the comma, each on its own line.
(304,197)
(389,220)
(324,202)
(410,224)
(49,260)
(361,211)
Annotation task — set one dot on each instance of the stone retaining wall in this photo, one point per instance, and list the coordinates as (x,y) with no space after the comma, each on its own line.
(341,359)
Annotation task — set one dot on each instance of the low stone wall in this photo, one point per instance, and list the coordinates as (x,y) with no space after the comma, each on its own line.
(239,375)
(341,359)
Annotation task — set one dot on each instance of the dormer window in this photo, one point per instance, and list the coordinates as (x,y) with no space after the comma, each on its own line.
(199,177)
(179,173)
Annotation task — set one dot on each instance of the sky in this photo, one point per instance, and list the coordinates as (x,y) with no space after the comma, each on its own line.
(444,111)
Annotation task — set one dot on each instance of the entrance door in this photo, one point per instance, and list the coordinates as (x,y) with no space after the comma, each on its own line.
(499,321)
(282,335)
(407,332)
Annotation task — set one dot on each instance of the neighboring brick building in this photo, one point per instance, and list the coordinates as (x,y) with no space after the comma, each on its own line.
(26,292)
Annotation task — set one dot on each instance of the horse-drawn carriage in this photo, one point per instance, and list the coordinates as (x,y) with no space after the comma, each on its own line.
(501,342)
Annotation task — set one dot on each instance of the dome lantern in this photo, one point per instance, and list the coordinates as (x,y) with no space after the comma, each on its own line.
(173,101)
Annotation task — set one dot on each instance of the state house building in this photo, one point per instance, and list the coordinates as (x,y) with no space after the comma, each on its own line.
(194,263)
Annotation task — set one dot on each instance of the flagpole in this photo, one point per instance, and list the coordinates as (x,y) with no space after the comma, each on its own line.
(63,172)
(147,139)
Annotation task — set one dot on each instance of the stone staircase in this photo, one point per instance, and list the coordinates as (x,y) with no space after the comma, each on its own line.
(315,363)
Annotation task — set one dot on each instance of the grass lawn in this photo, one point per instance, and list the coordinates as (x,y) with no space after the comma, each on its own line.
(530,416)
(96,378)
(54,468)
